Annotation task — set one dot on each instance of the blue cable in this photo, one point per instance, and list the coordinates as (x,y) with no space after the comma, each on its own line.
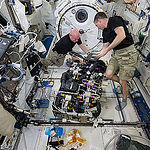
(107,119)
(13,33)
(148,23)
(142,13)
(118,101)
(55,119)
(14,66)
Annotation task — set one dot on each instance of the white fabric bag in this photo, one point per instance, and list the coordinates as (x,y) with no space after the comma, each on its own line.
(7,122)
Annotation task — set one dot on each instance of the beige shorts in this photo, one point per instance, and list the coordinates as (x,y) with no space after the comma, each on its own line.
(124,61)
(53,59)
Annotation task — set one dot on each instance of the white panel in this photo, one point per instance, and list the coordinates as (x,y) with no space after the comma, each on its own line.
(134,23)
(71,16)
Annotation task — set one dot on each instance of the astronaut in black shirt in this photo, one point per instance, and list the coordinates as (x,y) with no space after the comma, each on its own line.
(124,57)
(57,55)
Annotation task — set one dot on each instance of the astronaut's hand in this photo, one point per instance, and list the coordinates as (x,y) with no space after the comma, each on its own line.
(98,55)
(101,54)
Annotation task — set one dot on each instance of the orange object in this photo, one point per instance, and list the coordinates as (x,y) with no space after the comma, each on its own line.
(74,135)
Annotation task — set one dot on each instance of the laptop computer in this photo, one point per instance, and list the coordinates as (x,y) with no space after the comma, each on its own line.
(5,43)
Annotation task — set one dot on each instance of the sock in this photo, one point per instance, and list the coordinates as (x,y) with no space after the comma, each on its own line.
(123,105)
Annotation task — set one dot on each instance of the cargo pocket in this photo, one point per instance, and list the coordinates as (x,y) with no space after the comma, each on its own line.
(124,61)
(126,73)
(133,58)
(60,60)
(129,73)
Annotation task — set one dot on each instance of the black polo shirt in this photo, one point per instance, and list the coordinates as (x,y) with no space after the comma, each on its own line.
(65,45)
(109,33)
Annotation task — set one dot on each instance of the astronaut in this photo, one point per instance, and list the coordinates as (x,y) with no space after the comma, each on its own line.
(57,54)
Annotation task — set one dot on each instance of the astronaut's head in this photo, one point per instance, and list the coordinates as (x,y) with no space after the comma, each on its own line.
(74,35)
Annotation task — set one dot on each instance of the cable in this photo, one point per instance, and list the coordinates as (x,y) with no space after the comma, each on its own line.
(5,29)
(118,101)
(31,41)
(58,139)
(1,3)
(14,53)
(2,27)
(56,107)
(13,66)
(22,57)
(34,39)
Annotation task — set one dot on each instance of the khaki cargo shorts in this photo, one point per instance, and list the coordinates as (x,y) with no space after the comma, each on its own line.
(123,62)
(53,59)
